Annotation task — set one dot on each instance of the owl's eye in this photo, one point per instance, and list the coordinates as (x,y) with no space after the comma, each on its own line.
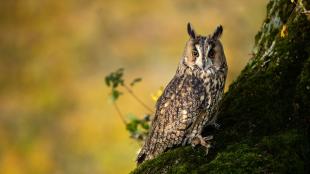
(211,53)
(195,53)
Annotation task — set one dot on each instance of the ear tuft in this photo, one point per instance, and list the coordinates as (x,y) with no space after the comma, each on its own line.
(218,32)
(191,31)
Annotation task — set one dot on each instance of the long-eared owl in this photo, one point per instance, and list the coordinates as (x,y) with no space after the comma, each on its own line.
(190,100)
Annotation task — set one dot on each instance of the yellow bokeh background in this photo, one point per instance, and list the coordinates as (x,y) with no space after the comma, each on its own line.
(55,113)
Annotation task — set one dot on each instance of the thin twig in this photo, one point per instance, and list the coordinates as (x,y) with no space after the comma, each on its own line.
(119,113)
(134,96)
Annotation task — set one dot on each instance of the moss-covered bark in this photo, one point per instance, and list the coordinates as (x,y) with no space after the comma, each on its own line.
(265,114)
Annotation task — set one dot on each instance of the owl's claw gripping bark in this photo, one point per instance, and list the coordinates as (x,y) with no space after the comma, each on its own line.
(203,141)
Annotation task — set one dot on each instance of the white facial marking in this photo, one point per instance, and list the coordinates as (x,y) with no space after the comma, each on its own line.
(208,49)
(209,62)
(199,58)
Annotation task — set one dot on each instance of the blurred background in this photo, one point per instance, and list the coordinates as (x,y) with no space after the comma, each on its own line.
(55,113)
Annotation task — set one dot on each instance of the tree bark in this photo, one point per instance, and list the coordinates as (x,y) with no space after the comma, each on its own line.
(265,114)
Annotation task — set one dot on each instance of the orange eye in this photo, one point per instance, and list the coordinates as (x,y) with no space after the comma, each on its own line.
(211,53)
(195,53)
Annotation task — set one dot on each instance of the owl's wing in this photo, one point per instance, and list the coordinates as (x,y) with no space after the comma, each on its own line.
(176,110)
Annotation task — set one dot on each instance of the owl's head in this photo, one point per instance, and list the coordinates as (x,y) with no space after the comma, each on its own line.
(204,51)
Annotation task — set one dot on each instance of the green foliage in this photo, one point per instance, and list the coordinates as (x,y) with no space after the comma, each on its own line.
(115,78)
(115,94)
(137,127)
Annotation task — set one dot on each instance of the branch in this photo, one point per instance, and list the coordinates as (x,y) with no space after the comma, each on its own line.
(139,100)
(119,113)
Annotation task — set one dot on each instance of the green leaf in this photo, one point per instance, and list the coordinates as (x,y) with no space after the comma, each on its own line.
(145,125)
(131,127)
(115,94)
(137,125)
(115,79)
(107,80)
(136,80)
(147,118)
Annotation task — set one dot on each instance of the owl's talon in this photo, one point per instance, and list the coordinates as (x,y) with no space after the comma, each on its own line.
(186,140)
(208,138)
(203,141)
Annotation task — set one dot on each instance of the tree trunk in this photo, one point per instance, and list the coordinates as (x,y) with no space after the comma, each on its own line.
(265,114)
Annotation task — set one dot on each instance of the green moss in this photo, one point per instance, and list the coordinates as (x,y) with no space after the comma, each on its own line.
(288,151)
(301,108)
(239,158)
(180,160)
(302,101)
(282,153)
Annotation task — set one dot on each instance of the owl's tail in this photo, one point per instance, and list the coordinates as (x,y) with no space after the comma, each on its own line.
(151,146)
(141,156)
(145,151)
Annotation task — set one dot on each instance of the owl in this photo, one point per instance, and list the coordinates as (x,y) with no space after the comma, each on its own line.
(190,100)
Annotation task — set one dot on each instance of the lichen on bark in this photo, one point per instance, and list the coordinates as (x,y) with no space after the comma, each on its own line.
(265,114)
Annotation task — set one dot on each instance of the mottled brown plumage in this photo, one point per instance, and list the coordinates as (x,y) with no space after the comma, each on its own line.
(190,100)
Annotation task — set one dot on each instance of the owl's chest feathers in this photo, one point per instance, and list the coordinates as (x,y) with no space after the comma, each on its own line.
(207,84)
(213,82)
(216,86)
(193,91)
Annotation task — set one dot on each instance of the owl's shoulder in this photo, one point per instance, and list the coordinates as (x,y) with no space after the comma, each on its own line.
(168,91)
(182,92)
